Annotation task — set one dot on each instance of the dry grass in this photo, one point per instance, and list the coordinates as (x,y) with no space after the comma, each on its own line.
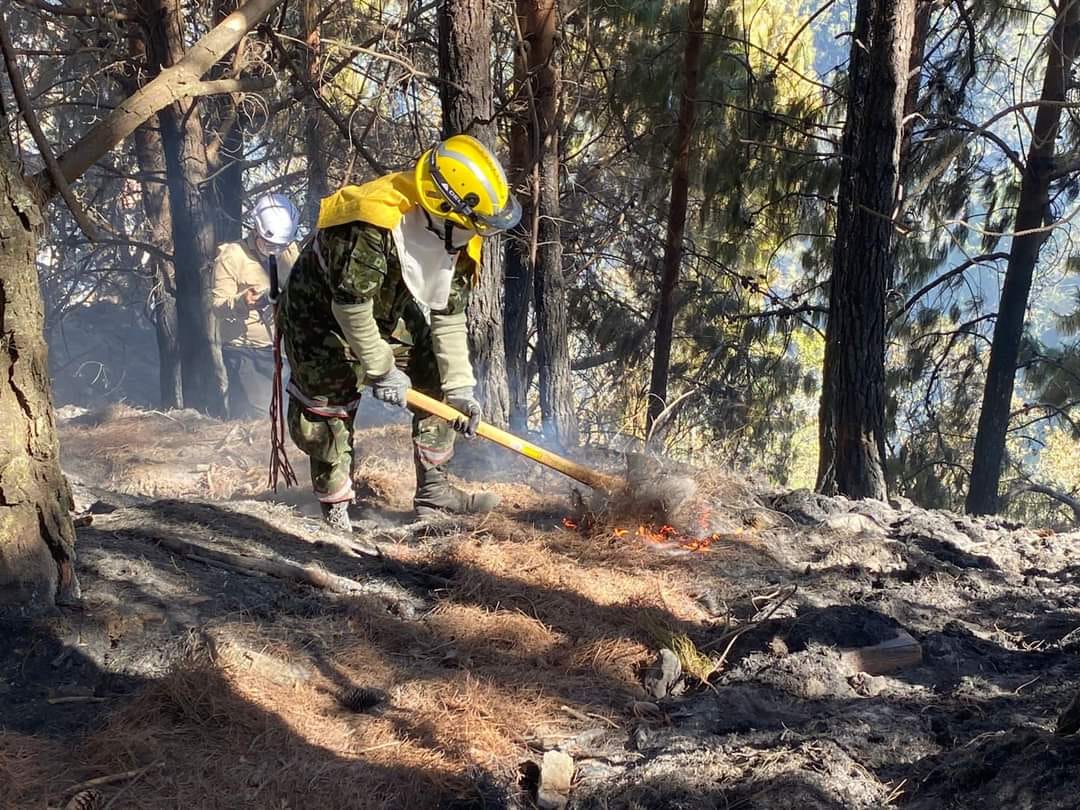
(167,455)
(537,625)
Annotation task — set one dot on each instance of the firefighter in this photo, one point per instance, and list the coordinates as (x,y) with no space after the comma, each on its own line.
(377,299)
(241,283)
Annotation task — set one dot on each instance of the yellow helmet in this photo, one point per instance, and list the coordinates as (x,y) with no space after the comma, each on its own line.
(461,181)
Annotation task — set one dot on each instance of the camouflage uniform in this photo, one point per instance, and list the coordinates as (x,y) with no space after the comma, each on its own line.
(351,264)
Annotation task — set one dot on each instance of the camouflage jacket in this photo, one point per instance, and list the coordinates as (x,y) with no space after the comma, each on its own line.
(361,264)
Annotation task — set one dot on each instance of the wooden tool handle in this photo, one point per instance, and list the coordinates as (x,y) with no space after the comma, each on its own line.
(589,477)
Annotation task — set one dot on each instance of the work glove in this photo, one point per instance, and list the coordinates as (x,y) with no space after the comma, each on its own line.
(464,400)
(391,387)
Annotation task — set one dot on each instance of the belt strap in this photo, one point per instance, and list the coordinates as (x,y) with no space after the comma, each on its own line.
(328,409)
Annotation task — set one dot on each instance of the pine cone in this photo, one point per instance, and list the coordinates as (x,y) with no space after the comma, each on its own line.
(84,800)
(362,699)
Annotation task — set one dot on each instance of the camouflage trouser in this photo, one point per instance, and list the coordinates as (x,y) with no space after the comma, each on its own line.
(328,440)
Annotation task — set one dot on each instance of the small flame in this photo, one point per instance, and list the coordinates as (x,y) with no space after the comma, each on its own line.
(665,536)
(668,536)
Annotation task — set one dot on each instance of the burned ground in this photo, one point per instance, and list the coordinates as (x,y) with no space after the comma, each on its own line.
(429,676)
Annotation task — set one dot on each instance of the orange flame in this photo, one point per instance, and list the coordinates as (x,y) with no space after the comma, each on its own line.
(666,536)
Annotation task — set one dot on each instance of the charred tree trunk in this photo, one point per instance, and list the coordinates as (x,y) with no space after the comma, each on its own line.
(150,156)
(538,20)
(852,417)
(228,182)
(519,284)
(520,246)
(680,188)
(37,538)
(1032,214)
(227,147)
(36,533)
(194,237)
(465,64)
(315,130)
(149,153)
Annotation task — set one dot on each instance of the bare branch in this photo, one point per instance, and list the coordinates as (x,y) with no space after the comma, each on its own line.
(1069,500)
(341,124)
(62,9)
(944,277)
(27,110)
(170,85)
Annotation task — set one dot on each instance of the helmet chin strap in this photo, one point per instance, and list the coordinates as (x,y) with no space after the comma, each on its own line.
(448,235)
(447,232)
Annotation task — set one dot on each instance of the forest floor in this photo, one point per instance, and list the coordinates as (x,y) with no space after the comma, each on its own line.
(445,671)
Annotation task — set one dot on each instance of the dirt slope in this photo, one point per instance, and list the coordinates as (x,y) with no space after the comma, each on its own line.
(432,675)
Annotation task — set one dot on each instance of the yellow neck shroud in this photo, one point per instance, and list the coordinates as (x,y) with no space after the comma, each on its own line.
(382,203)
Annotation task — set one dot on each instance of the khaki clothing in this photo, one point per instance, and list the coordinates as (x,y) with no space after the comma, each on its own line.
(237,267)
(251,381)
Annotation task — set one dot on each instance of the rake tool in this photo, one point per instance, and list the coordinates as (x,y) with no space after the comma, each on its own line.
(608,484)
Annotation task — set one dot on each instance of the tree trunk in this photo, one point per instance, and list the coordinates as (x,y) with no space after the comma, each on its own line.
(150,156)
(149,153)
(315,130)
(916,57)
(539,22)
(36,534)
(228,182)
(519,285)
(852,417)
(37,538)
(520,247)
(680,187)
(465,65)
(1032,213)
(227,137)
(194,237)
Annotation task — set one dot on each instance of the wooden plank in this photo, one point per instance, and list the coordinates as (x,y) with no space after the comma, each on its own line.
(888,656)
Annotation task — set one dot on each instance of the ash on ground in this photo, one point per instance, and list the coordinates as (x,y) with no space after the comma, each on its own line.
(856,654)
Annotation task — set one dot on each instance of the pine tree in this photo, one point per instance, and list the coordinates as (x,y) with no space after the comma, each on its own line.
(1030,233)
(852,418)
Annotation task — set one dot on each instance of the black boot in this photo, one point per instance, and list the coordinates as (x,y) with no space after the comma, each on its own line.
(336,516)
(436,495)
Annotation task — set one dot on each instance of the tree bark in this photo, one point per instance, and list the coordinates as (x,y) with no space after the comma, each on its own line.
(150,156)
(227,135)
(676,227)
(194,237)
(852,416)
(916,57)
(538,19)
(315,130)
(519,285)
(37,538)
(149,152)
(465,65)
(520,246)
(1032,213)
(228,174)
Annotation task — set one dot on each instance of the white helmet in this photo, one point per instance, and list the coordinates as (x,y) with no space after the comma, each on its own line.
(276,220)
